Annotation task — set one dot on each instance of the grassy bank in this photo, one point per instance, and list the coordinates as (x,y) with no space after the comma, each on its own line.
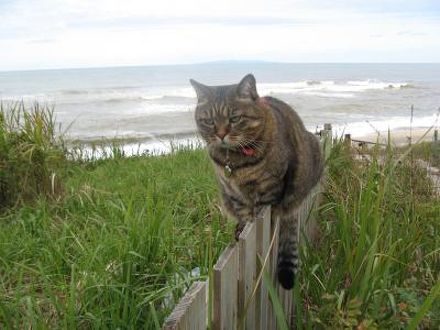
(116,244)
(116,250)
(378,258)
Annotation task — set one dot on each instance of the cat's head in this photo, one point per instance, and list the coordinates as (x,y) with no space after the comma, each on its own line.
(229,116)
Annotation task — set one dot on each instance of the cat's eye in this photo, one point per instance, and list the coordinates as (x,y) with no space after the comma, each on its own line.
(208,121)
(235,119)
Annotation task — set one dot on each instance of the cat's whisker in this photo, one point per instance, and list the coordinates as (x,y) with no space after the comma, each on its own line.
(253,144)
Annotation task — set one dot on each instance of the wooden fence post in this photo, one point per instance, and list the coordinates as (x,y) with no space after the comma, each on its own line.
(263,242)
(247,275)
(225,290)
(274,232)
(347,139)
(191,311)
(326,139)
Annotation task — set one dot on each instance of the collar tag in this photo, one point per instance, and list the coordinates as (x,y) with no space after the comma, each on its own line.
(227,170)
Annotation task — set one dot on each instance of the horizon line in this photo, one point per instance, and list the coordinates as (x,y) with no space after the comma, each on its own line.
(205,63)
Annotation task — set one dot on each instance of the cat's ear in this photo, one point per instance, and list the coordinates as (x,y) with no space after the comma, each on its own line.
(203,92)
(247,88)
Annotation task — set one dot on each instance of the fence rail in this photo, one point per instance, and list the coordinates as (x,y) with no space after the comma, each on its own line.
(240,299)
(349,140)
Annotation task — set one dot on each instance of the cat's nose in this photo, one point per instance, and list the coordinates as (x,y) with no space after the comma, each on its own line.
(222,133)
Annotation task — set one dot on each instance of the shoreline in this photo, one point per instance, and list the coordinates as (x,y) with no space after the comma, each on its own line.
(165,144)
(132,147)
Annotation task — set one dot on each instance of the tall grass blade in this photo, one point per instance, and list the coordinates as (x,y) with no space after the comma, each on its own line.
(433,295)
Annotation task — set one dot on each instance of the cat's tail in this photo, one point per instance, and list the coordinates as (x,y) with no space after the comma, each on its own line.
(287,265)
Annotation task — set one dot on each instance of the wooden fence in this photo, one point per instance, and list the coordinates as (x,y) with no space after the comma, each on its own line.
(349,140)
(237,293)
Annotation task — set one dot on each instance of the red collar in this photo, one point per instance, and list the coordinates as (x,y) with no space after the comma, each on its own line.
(248,151)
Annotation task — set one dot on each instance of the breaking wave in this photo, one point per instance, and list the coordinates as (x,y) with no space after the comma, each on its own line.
(329,88)
(180,94)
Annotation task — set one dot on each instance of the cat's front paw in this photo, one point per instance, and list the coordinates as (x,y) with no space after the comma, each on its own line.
(260,211)
(239,228)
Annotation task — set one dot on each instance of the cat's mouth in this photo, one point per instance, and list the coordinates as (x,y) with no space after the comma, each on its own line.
(234,144)
(247,150)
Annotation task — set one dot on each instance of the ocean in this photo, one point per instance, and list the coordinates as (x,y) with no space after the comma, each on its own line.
(153,104)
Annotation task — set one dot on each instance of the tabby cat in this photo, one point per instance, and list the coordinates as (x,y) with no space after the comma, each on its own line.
(263,155)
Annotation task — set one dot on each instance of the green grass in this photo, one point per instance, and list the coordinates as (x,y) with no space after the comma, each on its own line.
(30,153)
(429,152)
(117,250)
(114,246)
(378,257)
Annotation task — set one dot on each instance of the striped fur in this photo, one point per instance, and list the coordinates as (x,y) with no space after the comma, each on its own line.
(285,165)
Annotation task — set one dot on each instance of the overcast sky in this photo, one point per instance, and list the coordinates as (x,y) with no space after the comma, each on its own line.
(37,34)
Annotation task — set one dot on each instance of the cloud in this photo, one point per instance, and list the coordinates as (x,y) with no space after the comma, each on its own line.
(155,21)
(42,41)
(411,33)
(72,33)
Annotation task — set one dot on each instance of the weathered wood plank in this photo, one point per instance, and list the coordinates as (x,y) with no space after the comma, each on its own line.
(272,321)
(326,140)
(247,274)
(262,296)
(306,221)
(226,290)
(286,299)
(191,311)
